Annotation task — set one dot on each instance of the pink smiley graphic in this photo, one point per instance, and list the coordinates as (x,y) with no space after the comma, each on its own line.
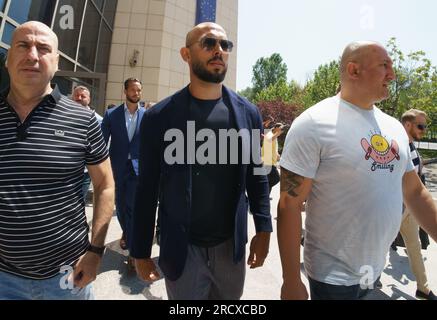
(379,150)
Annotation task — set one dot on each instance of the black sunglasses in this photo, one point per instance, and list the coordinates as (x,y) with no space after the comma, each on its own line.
(421,127)
(209,44)
(22,131)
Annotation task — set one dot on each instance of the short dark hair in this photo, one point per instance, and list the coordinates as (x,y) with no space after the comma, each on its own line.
(128,81)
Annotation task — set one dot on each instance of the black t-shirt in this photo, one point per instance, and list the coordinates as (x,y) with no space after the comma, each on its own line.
(214,184)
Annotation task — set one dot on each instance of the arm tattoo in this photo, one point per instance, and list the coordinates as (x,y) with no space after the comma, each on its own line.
(290,182)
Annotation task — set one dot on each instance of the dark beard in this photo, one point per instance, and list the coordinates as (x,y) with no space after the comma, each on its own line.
(207,76)
(132,101)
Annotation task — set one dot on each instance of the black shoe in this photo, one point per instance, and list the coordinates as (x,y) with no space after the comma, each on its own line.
(378,284)
(424,296)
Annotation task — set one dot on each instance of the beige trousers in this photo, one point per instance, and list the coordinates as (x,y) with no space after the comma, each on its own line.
(410,234)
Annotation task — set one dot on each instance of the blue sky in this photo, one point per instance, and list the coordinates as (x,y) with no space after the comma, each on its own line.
(308,33)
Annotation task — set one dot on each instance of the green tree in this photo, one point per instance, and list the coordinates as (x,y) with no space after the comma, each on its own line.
(324,83)
(281,91)
(415,85)
(268,71)
(247,93)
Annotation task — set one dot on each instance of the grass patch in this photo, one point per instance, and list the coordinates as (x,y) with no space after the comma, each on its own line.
(427,154)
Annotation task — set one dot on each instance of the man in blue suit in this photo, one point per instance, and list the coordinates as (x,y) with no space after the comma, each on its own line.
(202,204)
(122,125)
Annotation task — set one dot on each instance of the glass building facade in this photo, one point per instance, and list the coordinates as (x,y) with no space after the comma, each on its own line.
(104,42)
(84,29)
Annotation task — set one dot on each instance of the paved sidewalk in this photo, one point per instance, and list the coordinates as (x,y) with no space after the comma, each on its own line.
(116,283)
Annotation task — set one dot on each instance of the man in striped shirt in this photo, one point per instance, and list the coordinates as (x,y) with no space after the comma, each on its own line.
(45,142)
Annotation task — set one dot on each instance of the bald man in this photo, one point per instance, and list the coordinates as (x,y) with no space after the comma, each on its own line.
(203,206)
(351,162)
(46,139)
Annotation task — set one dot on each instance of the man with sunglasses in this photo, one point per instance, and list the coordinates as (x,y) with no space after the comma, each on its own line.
(203,206)
(45,142)
(352,165)
(414,122)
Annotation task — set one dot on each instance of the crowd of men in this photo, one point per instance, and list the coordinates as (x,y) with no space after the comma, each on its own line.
(352,165)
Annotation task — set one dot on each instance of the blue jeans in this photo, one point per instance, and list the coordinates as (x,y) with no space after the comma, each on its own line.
(325,291)
(18,288)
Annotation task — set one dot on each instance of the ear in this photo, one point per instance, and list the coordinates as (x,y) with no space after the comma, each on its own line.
(353,70)
(57,62)
(185,54)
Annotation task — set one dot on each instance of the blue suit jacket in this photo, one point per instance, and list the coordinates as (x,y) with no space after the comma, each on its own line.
(172,184)
(114,126)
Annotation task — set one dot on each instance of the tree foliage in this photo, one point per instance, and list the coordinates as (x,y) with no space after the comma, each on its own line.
(324,83)
(247,93)
(415,85)
(280,111)
(268,71)
(281,91)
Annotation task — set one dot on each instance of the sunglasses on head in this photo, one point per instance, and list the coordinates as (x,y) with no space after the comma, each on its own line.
(421,127)
(209,44)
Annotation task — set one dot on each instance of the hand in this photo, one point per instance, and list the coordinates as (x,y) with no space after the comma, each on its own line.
(146,269)
(85,270)
(294,290)
(259,248)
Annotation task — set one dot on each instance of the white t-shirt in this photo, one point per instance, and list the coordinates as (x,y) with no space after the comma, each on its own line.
(357,159)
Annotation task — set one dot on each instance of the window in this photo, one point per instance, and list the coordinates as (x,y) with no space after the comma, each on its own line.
(68,38)
(26,10)
(103,49)
(99,4)
(65,65)
(4,76)
(109,11)
(2,5)
(7,33)
(90,33)
(65,85)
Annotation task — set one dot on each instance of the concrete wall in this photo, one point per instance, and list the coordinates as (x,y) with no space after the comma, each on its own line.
(157,30)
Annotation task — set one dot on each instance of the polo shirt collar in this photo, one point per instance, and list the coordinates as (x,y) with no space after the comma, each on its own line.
(54,96)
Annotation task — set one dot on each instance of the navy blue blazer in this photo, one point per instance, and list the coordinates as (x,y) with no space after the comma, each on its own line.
(172,184)
(114,126)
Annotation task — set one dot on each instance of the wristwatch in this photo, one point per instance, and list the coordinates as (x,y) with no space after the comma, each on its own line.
(96,250)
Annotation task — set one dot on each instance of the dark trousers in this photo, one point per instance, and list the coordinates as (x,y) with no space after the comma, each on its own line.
(124,200)
(325,291)
(272,176)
